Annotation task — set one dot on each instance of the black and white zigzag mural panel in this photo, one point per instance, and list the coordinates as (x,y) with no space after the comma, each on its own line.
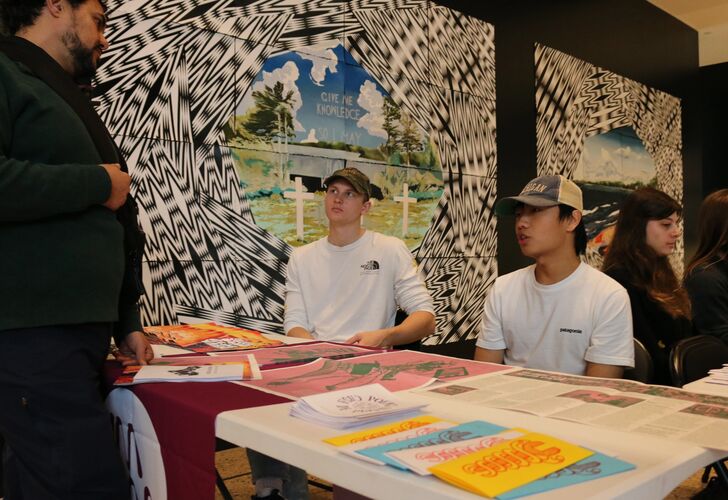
(232,113)
(450,280)
(610,134)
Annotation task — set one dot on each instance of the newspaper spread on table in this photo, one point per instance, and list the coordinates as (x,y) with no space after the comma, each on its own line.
(618,404)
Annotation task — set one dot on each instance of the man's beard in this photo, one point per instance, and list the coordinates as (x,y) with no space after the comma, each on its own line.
(84,66)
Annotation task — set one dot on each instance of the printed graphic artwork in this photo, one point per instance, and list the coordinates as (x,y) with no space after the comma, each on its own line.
(230,116)
(610,135)
(207,337)
(303,353)
(396,371)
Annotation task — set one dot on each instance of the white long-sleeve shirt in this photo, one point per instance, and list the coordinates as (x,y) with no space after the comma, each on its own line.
(335,292)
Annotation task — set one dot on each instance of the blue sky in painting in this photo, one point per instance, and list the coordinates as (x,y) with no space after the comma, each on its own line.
(618,155)
(335,99)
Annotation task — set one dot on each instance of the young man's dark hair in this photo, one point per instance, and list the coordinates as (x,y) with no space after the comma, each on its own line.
(565,211)
(15,14)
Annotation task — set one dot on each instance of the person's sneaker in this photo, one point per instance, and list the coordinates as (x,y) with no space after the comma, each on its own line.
(273,496)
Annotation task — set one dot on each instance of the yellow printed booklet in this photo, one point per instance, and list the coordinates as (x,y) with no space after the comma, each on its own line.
(501,468)
(382,430)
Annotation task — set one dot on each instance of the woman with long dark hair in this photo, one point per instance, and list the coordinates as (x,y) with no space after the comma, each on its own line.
(706,277)
(638,258)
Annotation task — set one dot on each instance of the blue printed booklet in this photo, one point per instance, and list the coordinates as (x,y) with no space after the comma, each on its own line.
(593,467)
(468,430)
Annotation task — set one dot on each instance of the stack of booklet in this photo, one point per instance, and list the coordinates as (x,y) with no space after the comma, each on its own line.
(718,376)
(353,407)
(479,456)
(190,369)
(207,337)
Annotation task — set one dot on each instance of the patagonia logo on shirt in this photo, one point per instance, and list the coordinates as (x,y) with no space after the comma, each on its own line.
(371,267)
(570,330)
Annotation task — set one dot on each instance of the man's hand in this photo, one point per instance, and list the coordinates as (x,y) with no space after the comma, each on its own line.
(374,338)
(135,349)
(120,183)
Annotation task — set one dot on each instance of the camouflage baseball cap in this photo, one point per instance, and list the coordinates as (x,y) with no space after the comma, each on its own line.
(353,176)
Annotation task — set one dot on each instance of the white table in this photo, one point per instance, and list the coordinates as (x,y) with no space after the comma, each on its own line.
(661,464)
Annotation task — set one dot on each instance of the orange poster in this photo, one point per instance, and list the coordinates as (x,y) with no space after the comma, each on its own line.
(508,465)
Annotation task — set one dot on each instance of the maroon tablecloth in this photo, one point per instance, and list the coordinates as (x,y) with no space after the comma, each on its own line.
(183,416)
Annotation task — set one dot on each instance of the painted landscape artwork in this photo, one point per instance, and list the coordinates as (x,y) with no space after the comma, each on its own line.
(612,164)
(311,112)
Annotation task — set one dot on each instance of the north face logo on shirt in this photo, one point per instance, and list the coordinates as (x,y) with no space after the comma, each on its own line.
(371,267)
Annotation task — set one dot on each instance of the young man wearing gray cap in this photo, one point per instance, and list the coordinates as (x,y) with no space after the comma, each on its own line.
(558,314)
(346,287)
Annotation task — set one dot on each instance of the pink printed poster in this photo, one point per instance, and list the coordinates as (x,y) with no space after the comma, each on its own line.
(395,370)
(305,352)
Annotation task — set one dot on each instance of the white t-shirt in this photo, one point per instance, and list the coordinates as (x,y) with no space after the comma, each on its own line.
(559,327)
(335,292)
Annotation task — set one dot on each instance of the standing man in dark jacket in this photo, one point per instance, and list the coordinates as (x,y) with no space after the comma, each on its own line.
(69,257)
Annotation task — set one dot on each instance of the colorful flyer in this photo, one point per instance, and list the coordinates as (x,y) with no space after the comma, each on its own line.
(593,467)
(352,449)
(381,430)
(207,337)
(506,466)
(454,434)
(419,460)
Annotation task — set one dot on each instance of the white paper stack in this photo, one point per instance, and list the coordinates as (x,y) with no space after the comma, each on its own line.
(718,376)
(193,373)
(353,407)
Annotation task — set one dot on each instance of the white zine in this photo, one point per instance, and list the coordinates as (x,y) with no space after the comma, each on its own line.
(352,407)
(191,373)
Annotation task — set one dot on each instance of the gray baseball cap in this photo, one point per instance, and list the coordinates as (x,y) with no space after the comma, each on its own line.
(544,191)
(353,176)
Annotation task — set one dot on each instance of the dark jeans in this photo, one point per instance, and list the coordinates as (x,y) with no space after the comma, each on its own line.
(57,431)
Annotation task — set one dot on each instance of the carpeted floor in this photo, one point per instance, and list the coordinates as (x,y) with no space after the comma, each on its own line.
(234,469)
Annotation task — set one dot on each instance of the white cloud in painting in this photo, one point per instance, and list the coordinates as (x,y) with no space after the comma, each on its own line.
(625,152)
(287,75)
(323,60)
(311,138)
(606,158)
(372,101)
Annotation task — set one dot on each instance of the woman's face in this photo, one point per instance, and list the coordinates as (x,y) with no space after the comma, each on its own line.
(662,234)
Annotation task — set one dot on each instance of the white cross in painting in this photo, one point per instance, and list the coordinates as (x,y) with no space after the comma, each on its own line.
(372,201)
(405,199)
(299,195)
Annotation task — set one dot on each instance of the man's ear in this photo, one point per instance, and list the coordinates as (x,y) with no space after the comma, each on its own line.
(366,207)
(55,7)
(574,220)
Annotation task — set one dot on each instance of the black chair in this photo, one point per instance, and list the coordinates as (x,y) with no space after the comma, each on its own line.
(644,369)
(691,359)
